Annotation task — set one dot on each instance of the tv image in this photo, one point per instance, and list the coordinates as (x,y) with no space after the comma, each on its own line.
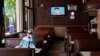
(57,11)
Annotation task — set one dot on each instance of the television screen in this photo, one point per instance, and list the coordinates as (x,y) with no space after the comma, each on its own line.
(56,11)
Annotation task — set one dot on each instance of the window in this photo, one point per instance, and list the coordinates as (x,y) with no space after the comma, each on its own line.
(12,19)
(28,14)
(10,16)
(18,15)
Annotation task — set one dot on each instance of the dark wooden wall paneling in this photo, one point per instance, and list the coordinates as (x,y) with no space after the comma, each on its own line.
(93,4)
(42,14)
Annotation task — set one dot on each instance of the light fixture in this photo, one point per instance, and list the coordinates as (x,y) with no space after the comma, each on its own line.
(72,15)
(72,8)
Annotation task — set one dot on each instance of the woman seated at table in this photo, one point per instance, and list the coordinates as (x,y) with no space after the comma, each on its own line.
(28,41)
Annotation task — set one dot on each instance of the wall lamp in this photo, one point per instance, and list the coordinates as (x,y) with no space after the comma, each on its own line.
(72,8)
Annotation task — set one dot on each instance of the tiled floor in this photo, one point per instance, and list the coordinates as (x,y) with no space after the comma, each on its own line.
(57,49)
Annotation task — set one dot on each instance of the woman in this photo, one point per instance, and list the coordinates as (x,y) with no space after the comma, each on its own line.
(28,41)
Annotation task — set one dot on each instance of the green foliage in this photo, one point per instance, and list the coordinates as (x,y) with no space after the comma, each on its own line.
(10,7)
(10,4)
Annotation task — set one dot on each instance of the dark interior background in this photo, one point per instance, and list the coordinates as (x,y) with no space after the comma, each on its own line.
(42,14)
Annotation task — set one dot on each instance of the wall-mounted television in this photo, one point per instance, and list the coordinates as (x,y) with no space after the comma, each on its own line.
(57,11)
